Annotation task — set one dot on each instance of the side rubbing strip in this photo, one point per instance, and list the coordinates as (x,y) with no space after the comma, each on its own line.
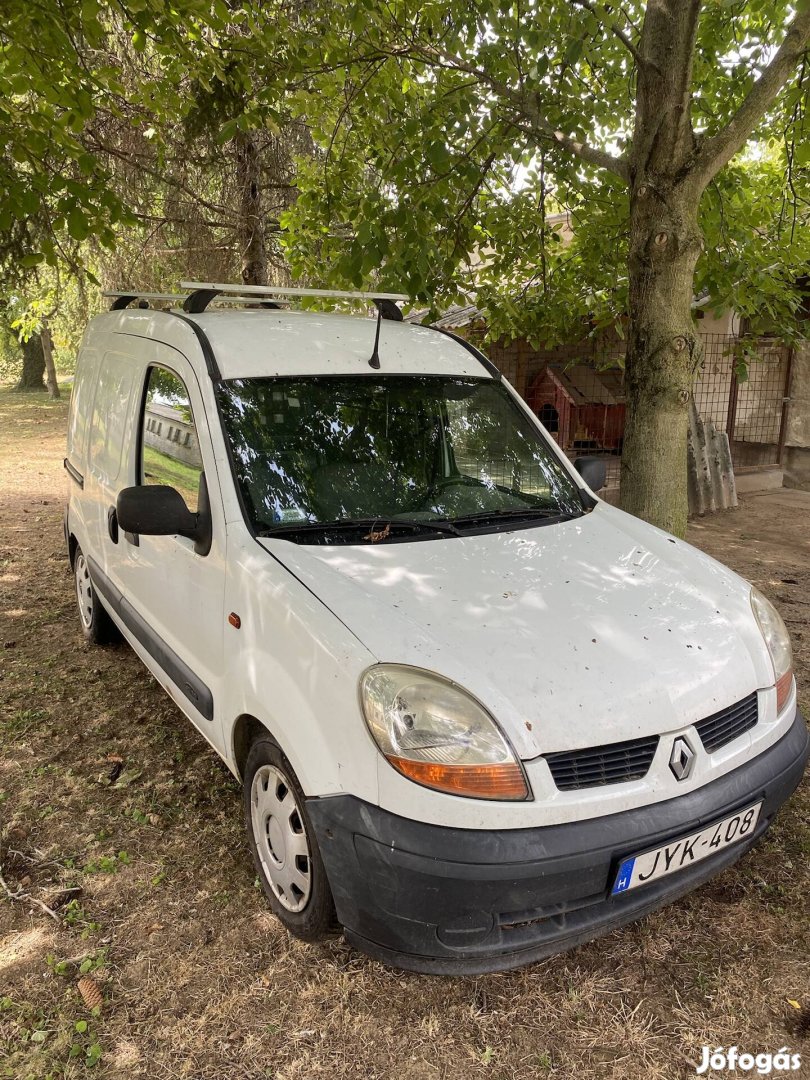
(74,473)
(178,670)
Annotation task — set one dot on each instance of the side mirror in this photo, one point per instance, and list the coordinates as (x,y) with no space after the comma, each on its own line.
(593,471)
(156,511)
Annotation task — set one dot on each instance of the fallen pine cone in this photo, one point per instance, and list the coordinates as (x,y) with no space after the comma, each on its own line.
(91,992)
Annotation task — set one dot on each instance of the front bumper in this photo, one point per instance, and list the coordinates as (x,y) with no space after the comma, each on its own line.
(462,901)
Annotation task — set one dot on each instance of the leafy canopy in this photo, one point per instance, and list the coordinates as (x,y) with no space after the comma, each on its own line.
(455,131)
(67,71)
(445,133)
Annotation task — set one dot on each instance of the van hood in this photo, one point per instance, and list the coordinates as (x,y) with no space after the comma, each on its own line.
(572,634)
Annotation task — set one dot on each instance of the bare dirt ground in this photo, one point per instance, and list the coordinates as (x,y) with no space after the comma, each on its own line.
(117,815)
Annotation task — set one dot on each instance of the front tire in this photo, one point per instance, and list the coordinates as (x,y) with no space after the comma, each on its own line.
(282,841)
(97,626)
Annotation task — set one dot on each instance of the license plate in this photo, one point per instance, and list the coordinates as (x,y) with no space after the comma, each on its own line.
(674,856)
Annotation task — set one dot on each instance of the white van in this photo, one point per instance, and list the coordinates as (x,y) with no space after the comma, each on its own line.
(480,715)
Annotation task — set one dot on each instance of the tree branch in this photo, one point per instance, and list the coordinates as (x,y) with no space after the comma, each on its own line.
(530,107)
(615,30)
(27,898)
(662,135)
(717,150)
(94,142)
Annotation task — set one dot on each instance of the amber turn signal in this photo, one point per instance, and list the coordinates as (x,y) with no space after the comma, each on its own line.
(783,686)
(504,781)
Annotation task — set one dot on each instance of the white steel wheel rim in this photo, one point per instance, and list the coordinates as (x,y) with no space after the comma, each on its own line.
(281,838)
(84,592)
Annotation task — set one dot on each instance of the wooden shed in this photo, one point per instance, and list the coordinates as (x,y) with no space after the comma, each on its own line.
(582,407)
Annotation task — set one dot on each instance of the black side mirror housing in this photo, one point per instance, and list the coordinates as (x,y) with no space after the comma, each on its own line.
(161,511)
(593,471)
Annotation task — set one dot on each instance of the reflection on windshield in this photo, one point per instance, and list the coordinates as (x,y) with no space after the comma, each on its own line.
(322,450)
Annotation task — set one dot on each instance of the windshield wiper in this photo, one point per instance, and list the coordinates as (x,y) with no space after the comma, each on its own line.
(513,513)
(379,528)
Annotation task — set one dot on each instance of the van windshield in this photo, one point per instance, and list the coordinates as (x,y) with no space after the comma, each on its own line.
(355,459)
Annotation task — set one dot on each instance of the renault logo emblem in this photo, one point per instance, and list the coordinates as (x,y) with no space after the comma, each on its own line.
(682,759)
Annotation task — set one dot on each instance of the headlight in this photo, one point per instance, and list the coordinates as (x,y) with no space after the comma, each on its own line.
(778,643)
(433,732)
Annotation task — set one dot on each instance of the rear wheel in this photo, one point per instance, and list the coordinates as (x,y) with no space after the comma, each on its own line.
(97,626)
(283,844)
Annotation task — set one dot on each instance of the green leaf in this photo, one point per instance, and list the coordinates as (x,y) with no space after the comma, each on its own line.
(87,163)
(438,155)
(573,51)
(227,131)
(539,67)
(78,225)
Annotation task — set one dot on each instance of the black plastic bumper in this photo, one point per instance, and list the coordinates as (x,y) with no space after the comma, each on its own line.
(461,901)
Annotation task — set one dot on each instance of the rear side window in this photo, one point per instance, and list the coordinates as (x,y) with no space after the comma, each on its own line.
(170,450)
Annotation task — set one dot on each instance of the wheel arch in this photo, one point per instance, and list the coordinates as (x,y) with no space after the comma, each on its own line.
(73,545)
(246,730)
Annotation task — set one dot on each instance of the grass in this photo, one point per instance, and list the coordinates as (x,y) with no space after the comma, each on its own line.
(198,979)
(160,468)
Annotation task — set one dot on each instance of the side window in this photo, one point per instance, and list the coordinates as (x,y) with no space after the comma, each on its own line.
(170,452)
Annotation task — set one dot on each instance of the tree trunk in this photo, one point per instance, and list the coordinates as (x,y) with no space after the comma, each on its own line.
(33,371)
(50,370)
(665,242)
(251,216)
(663,350)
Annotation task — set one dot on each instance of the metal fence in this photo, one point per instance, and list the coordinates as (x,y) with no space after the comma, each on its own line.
(743,387)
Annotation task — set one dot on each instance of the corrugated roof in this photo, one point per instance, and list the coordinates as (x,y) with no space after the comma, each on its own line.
(455,318)
(584,385)
(459,316)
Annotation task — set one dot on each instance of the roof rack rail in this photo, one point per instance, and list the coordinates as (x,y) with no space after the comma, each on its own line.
(122,300)
(203,292)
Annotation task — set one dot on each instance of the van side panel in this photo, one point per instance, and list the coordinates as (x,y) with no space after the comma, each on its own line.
(81,402)
(109,427)
(295,667)
(111,409)
(170,597)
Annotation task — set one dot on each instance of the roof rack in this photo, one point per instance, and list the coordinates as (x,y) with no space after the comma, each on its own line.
(122,300)
(203,292)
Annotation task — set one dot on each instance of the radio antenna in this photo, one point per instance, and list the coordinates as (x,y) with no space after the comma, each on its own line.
(374,359)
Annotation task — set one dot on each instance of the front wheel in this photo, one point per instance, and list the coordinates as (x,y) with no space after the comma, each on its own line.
(283,844)
(97,626)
